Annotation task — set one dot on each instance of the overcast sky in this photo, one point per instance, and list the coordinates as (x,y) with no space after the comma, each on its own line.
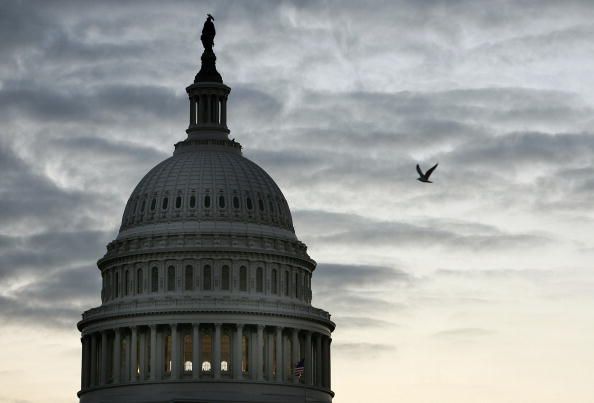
(477,288)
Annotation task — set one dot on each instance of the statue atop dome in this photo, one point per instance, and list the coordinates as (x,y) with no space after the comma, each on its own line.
(208,33)
(208,71)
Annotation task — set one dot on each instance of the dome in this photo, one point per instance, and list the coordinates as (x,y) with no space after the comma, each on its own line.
(207,188)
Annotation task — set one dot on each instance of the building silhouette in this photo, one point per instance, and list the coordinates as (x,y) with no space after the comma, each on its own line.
(206,292)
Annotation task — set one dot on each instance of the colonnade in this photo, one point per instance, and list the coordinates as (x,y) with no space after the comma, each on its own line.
(195,351)
(208,109)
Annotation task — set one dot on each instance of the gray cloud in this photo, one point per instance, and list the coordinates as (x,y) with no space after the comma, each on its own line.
(363,350)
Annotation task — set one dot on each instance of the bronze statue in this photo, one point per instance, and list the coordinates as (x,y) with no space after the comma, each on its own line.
(208,33)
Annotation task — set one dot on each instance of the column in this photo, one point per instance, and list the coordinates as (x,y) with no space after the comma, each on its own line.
(174,352)
(117,350)
(325,374)
(216,364)
(308,356)
(93,360)
(238,352)
(318,380)
(134,354)
(270,350)
(103,369)
(208,109)
(279,354)
(329,359)
(142,356)
(259,356)
(224,112)
(214,100)
(196,365)
(192,112)
(84,363)
(153,352)
(296,353)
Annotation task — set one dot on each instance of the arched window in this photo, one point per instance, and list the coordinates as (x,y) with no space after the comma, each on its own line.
(153,204)
(245,358)
(171,278)
(139,281)
(248,202)
(192,201)
(167,354)
(165,203)
(187,353)
(143,205)
(296,285)
(259,280)
(154,279)
(225,352)
(207,201)
(221,201)
(178,202)
(261,204)
(271,207)
(243,278)
(189,278)
(226,283)
(207,281)
(117,284)
(274,282)
(235,202)
(206,347)
(286,283)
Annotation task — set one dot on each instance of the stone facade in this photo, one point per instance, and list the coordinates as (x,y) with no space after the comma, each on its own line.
(206,291)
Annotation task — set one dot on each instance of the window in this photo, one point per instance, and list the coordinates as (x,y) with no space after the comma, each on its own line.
(178,202)
(154,279)
(167,360)
(259,280)
(271,206)
(206,346)
(117,284)
(143,205)
(189,278)
(235,202)
(261,204)
(139,281)
(171,278)
(165,203)
(243,278)
(249,203)
(225,352)
(207,278)
(221,201)
(192,201)
(207,201)
(296,285)
(286,283)
(245,363)
(188,353)
(126,282)
(274,282)
(153,204)
(225,278)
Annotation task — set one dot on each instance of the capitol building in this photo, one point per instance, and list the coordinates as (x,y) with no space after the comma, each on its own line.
(206,292)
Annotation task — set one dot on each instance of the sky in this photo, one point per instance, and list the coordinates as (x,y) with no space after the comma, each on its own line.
(476,288)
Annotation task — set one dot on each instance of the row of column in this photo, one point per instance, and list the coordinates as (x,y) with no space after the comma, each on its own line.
(145,353)
(209,109)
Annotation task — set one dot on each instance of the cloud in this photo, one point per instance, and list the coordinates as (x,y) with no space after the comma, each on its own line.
(362,350)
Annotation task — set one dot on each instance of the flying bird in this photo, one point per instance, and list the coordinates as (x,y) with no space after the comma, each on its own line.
(424,177)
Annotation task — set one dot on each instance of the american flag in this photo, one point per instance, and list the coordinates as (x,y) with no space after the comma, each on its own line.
(299,368)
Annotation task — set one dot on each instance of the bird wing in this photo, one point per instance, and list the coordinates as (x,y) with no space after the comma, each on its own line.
(419,171)
(430,171)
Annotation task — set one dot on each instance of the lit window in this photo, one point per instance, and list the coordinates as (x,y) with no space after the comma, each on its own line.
(224,366)
(188,353)
(206,366)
